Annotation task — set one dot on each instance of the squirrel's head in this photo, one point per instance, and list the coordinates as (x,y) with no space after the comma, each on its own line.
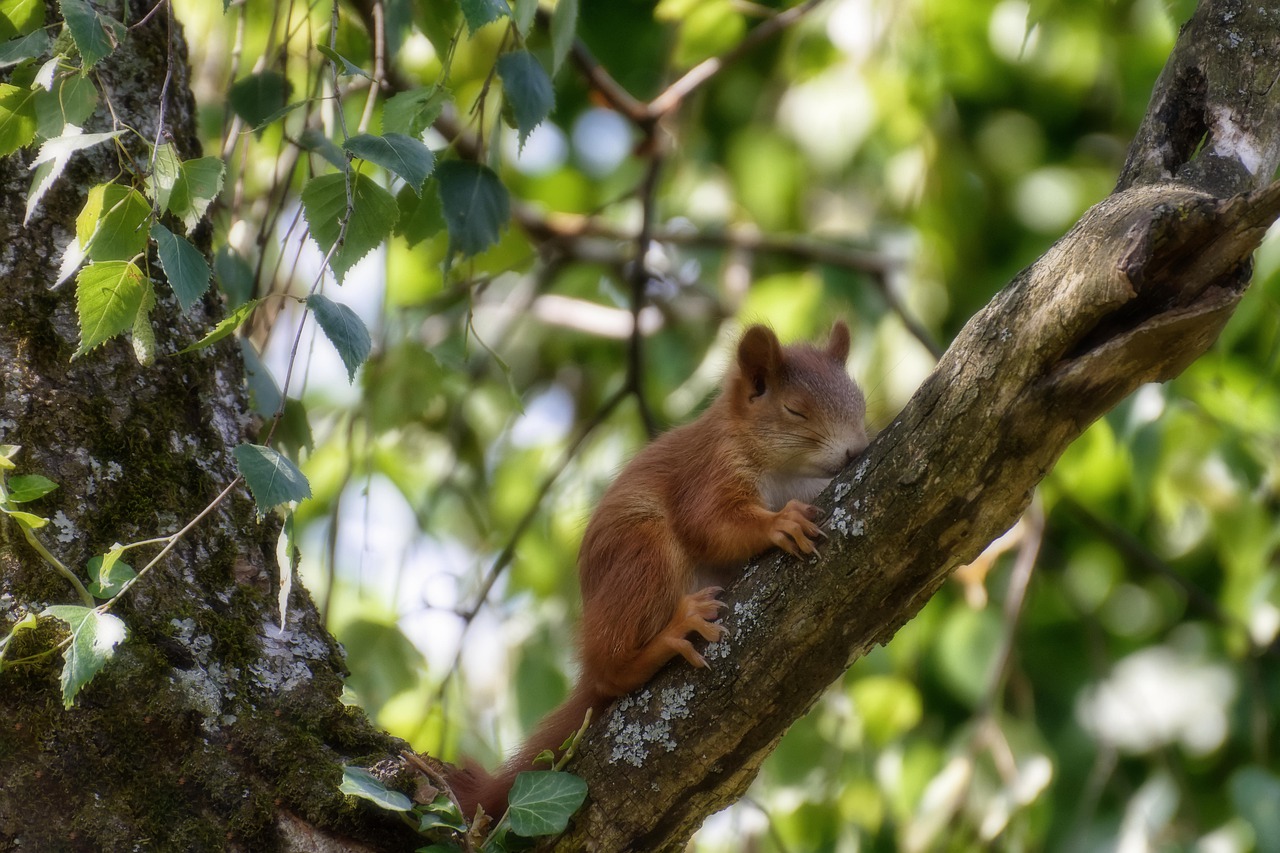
(798,403)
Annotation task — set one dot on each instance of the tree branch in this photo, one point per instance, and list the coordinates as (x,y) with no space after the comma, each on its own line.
(1137,290)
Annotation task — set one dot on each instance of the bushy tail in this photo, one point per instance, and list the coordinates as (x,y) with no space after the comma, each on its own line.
(473,785)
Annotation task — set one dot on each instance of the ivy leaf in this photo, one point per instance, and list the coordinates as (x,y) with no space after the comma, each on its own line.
(564,25)
(413,111)
(476,205)
(53,157)
(29,487)
(229,324)
(108,574)
(405,156)
(260,98)
(324,202)
(17,118)
(94,637)
(480,12)
(94,34)
(349,68)
(198,183)
(542,801)
(359,782)
(183,265)
(108,296)
(344,329)
(271,477)
(528,90)
(23,48)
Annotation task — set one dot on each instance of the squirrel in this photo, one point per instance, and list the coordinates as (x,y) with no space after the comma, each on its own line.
(691,508)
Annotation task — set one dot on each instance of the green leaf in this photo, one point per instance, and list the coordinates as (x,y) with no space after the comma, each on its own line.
(229,324)
(29,487)
(345,331)
(142,334)
(197,185)
(95,34)
(17,118)
(53,157)
(324,202)
(110,225)
(564,25)
(317,143)
(359,782)
(395,152)
(265,398)
(476,205)
(160,183)
(480,12)
(23,48)
(108,296)
(69,100)
(7,452)
(420,218)
(528,90)
(183,265)
(235,276)
(542,801)
(523,15)
(412,112)
(19,17)
(349,68)
(260,98)
(271,477)
(108,574)
(94,637)
(26,519)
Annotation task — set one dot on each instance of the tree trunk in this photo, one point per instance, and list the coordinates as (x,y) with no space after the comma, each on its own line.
(1135,292)
(209,729)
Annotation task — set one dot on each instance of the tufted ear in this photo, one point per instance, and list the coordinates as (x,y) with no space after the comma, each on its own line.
(759,358)
(838,345)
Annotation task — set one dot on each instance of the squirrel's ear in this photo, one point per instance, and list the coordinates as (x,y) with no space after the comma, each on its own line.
(838,345)
(759,358)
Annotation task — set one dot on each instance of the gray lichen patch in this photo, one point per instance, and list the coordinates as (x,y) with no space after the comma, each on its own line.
(632,741)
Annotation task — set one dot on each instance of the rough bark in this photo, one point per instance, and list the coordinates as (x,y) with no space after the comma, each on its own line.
(209,730)
(1135,292)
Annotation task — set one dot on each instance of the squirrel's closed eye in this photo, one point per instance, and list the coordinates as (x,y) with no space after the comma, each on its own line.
(801,415)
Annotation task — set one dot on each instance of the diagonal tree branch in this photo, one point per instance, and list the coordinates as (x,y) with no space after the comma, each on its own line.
(1135,292)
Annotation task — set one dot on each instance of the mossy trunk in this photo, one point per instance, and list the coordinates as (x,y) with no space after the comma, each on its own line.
(209,729)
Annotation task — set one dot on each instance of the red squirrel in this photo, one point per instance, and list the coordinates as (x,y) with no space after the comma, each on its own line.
(690,508)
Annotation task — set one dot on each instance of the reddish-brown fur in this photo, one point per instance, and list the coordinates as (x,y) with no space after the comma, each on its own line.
(691,508)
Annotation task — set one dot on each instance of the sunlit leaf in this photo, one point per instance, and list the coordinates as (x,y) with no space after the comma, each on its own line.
(228,326)
(94,637)
(108,574)
(53,157)
(413,111)
(29,487)
(19,17)
(197,185)
(17,118)
(108,296)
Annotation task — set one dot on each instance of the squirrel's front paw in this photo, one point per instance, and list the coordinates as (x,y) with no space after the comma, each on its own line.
(794,529)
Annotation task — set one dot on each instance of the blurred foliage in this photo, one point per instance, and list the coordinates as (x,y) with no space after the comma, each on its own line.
(954,140)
